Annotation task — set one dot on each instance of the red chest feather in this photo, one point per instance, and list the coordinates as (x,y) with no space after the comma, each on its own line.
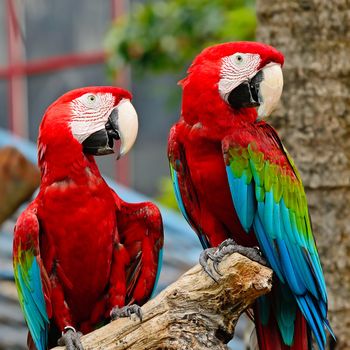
(78,225)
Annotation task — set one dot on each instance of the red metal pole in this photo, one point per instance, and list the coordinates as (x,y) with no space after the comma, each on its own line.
(41,66)
(18,122)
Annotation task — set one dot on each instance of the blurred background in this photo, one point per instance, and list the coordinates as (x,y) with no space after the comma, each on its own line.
(48,47)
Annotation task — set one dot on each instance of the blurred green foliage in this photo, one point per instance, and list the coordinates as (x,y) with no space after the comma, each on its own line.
(166,193)
(165,35)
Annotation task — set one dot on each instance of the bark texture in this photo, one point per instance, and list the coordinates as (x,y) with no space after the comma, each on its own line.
(194,313)
(18,180)
(314,123)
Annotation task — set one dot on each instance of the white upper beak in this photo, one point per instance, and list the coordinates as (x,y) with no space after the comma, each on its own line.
(270,89)
(127,125)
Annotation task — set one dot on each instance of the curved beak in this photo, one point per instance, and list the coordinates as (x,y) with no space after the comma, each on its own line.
(122,124)
(126,125)
(263,90)
(270,89)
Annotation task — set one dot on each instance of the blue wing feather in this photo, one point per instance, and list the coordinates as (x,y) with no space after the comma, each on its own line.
(285,306)
(159,268)
(268,214)
(296,284)
(243,199)
(180,203)
(33,304)
(277,226)
(267,247)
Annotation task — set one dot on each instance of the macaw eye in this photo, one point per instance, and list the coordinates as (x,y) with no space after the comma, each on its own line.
(238,59)
(91,98)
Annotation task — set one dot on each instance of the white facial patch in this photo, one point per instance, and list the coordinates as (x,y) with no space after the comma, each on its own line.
(236,69)
(90,113)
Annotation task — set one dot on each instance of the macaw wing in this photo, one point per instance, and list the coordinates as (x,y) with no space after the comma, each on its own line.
(140,231)
(268,194)
(31,279)
(185,193)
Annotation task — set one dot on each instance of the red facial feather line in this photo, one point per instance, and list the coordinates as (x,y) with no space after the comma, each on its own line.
(233,74)
(90,116)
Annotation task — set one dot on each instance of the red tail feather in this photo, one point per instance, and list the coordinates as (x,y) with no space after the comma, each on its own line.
(269,337)
(30,342)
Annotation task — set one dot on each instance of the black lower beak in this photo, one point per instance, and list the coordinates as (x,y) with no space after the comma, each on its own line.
(247,94)
(101,142)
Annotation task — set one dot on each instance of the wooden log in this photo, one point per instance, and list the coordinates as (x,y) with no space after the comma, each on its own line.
(18,180)
(193,313)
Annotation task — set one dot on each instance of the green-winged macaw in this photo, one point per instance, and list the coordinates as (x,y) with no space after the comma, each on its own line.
(81,254)
(236,185)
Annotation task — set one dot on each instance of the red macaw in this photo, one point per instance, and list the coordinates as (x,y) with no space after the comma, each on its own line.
(82,255)
(236,185)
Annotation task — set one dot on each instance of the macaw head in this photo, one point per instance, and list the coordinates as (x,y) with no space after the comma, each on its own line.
(233,79)
(93,118)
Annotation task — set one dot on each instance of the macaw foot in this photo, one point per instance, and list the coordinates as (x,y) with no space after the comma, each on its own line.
(126,311)
(229,246)
(71,339)
(205,256)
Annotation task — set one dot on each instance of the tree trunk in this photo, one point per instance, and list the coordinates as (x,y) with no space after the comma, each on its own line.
(314,123)
(194,313)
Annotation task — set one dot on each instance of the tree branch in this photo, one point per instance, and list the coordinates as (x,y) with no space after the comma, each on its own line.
(192,313)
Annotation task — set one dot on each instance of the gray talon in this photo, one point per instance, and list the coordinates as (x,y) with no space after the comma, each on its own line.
(226,242)
(216,266)
(71,340)
(229,246)
(126,311)
(205,256)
